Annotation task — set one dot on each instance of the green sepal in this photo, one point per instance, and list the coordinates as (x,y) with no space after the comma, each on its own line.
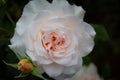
(21,75)
(19,56)
(27,56)
(36,73)
(11,65)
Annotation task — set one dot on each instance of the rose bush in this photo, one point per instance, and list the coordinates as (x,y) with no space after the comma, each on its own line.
(54,36)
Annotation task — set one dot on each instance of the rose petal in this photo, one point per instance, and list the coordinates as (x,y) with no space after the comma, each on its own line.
(76,58)
(17,44)
(89,29)
(53,69)
(43,60)
(62,8)
(35,6)
(86,46)
(38,46)
(63,61)
(73,69)
(79,11)
(31,55)
(23,23)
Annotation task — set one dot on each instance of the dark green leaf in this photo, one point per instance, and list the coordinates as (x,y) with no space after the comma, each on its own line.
(101,33)
(2,2)
(86,60)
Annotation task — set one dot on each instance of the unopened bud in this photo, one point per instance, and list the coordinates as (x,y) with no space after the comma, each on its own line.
(25,66)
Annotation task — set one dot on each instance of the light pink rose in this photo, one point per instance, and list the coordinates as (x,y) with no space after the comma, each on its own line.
(87,73)
(54,36)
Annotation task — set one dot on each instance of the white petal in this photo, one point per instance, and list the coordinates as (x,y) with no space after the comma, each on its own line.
(38,46)
(63,61)
(86,46)
(62,8)
(32,9)
(18,48)
(71,23)
(28,41)
(31,55)
(69,60)
(76,58)
(53,69)
(43,60)
(89,29)
(86,40)
(69,70)
(60,2)
(35,6)
(79,11)
(17,44)
(73,69)
(23,23)
(15,38)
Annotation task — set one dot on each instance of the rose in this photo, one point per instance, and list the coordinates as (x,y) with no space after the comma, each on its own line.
(87,73)
(53,36)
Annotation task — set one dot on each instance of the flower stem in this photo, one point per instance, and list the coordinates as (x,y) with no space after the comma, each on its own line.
(9,17)
(2,29)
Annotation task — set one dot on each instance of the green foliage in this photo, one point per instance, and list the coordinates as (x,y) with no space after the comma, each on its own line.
(86,60)
(106,71)
(2,2)
(101,33)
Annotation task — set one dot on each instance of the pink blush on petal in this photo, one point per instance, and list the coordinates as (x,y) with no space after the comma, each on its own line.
(89,78)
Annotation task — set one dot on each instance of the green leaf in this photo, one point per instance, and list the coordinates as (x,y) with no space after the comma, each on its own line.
(86,60)
(11,65)
(35,72)
(19,56)
(101,33)
(2,2)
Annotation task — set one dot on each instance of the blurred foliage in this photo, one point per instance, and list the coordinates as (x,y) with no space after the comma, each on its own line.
(104,16)
(101,33)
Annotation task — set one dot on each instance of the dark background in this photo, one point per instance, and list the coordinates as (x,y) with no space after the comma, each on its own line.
(106,53)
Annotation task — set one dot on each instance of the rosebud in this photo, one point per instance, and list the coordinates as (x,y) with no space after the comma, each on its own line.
(25,66)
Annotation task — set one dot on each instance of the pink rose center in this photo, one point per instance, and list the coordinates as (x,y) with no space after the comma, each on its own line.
(54,41)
